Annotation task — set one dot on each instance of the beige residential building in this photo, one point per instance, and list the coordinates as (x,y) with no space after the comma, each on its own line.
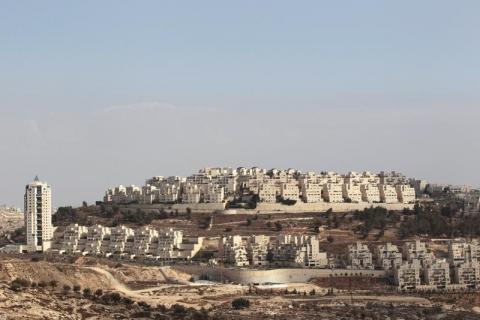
(257,250)
(98,240)
(359,256)
(407,276)
(417,252)
(352,193)
(191,194)
(145,241)
(234,252)
(467,274)
(311,192)
(121,240)
(267,192)
(388,194)
(74,239)
(370,193)
(38,216)
(214,194)
(437,274)
(405,193)
(332,192)
(461,251)
(387,256)
(289,191)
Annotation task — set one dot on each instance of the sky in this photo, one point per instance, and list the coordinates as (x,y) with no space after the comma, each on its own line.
(99,93)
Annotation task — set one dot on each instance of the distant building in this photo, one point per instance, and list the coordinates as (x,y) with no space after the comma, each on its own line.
(359,256)
(407,276)
(387,256)
(437,274)
(38,216)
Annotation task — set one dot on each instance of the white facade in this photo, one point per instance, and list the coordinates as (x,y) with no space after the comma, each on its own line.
(387,256)
(352,193)
(370,193)
(388,194)
(359,256)
(332,192)
(289,191)
(38,216)
(405,193)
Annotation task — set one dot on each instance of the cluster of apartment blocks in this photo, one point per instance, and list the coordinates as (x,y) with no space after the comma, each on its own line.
(285,251)
(144,242)
(217,185)
(417,268)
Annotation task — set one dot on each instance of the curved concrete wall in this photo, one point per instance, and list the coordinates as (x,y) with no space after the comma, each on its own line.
(246,276)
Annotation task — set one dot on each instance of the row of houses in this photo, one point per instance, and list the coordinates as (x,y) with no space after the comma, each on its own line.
(143,242)
(285,251)
(415,267)
(218,185)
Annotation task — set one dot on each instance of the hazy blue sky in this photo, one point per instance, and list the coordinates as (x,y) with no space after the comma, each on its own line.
(98,93)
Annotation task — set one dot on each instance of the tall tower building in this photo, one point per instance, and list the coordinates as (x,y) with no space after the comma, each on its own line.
(38,216)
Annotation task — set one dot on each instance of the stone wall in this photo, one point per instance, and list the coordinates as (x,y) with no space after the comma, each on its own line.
(288,275)
(267,208)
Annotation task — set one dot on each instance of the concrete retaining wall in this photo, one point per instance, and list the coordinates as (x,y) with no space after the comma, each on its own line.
(247,276)
(266,208)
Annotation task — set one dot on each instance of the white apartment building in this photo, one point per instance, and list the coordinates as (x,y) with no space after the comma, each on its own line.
(149,194)
(359,256)
(352,193)
(214,194)
(191,194)
(417,252)
(38,216)
(461,251)
(407,276)
(388,194)
(121,240)
(437,274)
(145,241)
(98,240)
(332,192)
(267,192)
(392,178)
(234,251)
(370,193)
(289,191)
(387,256)
(467,274)
(311,192)
(257,250)
(405,193)
(74,239)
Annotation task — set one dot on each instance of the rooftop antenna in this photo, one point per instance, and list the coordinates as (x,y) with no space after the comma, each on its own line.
(36,179)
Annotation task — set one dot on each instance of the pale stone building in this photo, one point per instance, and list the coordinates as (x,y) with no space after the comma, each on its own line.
(388,194)
(311,192)
(98,240)
(461,251)
(467,274)
(289,191)
(387,256)
(332,192)
(267,192)
(38,216)
(407,276)
(359,256)
(257,250)
(351,193)
(437,274)
(417,252)
(405,193)
(214,194)
(145,241)
(234,251)
(74,239)
(191,194)
(121,240)
(370,193)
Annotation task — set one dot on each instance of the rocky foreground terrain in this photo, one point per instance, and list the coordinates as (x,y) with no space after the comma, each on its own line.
(87,288)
